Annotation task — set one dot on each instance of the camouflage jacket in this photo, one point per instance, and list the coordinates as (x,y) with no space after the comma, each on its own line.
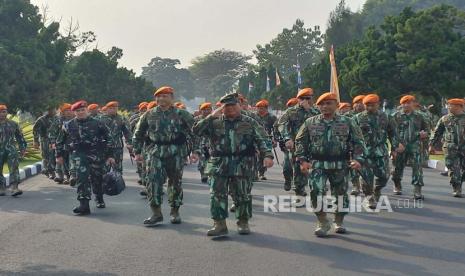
(234,144)
(89,136)
(409,127)
(11,137)
(292,119)
(330,144)
(267,122)
(56,127)
(377,128)
(118,128)
(452,127)
(169,132)
(42,126)
(133,121)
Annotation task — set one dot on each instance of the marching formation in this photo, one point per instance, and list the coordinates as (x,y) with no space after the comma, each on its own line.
(322,141)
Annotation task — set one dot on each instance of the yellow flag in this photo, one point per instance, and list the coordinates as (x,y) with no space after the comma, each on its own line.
(334,80)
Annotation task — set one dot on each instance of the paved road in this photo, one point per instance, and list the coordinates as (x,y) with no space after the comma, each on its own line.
(40,236)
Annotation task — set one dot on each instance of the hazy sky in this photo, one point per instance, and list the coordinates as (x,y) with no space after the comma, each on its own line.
(185,29)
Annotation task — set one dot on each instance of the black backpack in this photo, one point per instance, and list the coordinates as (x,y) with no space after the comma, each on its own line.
(113,183)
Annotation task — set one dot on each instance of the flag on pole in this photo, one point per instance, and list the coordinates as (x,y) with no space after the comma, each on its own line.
(334,80)
(278,79)
(268,84)
(299,76)
(250,87)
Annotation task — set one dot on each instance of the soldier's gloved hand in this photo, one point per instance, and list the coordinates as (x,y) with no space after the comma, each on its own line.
(354,164)
(111,161)
(194,158)
(54,146)
(290,145)
(268,162)
(305,167)
(139,158)
(400,148)
(59,160)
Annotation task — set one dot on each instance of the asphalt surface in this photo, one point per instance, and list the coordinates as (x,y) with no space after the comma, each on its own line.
(39,235)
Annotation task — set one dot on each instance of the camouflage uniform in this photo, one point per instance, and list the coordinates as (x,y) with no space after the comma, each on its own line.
(64,169)
(91,145)
(132,126)
(376,128)
(118,128)
(267,122)
(166,135)
(233,147)
(287,163)
(354,175)
(11,140)
(452,127)
(428,116)
(288,126)
(203,151)
(408,130)
(328,145)
(40,130)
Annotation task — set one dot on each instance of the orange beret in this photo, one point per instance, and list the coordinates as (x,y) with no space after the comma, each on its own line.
(262,103)
(407,98)
(93,106)
(218,104)
(112,104)
(77,105)
(143,105)
(151,105)
(205,106)
(3,107)
(456,101)
(344,105)
(326,96)
(65,106)
(358,99)
(164,90)
(292,102)
(371,98)
(305,92)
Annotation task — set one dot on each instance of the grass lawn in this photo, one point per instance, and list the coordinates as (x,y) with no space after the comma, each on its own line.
(437,157)
(23,163)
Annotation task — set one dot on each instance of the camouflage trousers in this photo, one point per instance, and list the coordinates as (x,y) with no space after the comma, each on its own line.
(202,165)
(261,168)
(299,180)
(338,180)
(90,168)
(11,158)
(375,167)
(287,167)
(118,155)
(354,178)
(62,170)
(48,155)
(413,153)
(240,189)
(72,165)
(455,163)
(161,169)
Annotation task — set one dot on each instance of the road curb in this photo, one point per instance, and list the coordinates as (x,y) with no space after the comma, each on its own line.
(26,172)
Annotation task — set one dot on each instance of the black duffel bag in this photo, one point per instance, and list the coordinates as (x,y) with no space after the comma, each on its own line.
(113,183)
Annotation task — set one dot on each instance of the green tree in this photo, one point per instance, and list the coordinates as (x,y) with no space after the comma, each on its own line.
(343,27)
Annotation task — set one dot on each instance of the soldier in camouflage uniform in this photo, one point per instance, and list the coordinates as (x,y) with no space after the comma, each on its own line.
(377,128)
(357,107)
(11,141)
(412,128)
(119,128)
(62,170)
(288,126)
(267,120)
(234,140)
(166,132)
(94,111)
(452,128)
(91,145)
(203,150)
(430,123)
(40,130)
(345,108)
(324,144)
(133,120)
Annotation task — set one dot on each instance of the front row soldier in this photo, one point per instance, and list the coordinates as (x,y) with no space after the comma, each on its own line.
(412,128)
(234,139)
(451,127)
(11,140)
(166,132)
(330,144)
(91,145)
(377,129)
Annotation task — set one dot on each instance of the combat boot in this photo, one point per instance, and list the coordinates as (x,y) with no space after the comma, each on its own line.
(323,225)
(2,191)
(66,181)
(377,193)
(243,227)
(143,192)
(287,185)
(72,182)
(355,188)
(156,217)
(175,218)
(219,228)
(301,193)
(99,201)
(233,208)
(262,177)
(15,191)
(83,208)
(52,175)
(338,224)
(457,190)
(397,188)
(417,192)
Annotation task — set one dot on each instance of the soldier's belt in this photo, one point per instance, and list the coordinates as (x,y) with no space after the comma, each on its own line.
(180,140)
(321,157)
